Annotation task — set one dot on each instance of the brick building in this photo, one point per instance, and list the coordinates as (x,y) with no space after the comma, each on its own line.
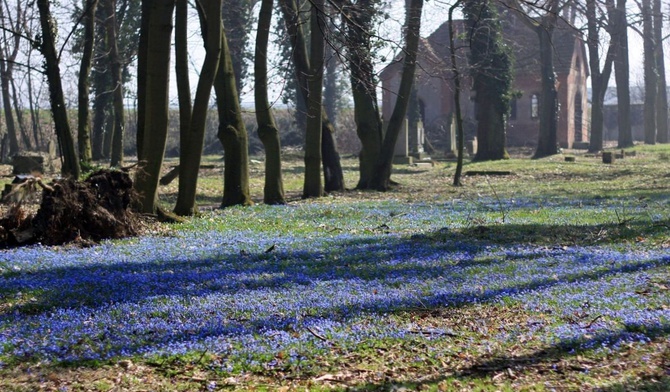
(434,83)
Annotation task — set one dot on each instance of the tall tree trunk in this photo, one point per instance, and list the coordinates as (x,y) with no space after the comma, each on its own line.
(547,139)
(12,132)
(332,169)
(156,102)
(83,112)
(273,191)
(491,79)
(18,108)
(312,186)
(363,86)
(6,69)
(458,115)
(192,142)
(117,84)
(599,78)
(382,178)
(232,133)
(70,165)
(619,35)
(142,73)
(650,74)
(661,90)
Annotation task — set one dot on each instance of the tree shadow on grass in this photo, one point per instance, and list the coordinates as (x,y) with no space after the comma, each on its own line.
(370,263)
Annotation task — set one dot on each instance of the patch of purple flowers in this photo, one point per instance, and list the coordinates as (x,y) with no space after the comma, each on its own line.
(261,290)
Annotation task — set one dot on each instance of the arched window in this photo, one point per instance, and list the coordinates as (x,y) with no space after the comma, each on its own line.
(534,106)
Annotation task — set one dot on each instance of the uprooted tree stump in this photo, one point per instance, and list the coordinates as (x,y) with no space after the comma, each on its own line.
(75,211)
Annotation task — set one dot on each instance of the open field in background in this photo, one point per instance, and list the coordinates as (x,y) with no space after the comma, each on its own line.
(555,277)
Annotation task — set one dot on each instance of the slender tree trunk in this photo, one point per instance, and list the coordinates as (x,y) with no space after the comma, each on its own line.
(332,169)
(363,86)
(142,73)
(458,115)
(661,90)
(273,191)
(156,102)
(382,178)
(117,84)
(70,166)
(9,115)
(18,109)
(232,133)
(312,186)
(191,152)
(6,65)
(650,74)
(83,112)
(599,78)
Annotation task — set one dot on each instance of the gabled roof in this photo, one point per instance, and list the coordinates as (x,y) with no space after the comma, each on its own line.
(522,39)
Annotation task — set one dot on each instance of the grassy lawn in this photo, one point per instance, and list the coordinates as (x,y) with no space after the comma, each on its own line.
(555,277)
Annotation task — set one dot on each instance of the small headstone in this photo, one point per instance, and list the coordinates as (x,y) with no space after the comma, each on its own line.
(570,159)
(608,157)
(471,146)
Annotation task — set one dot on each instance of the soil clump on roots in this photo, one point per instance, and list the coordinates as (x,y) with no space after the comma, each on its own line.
(78,212)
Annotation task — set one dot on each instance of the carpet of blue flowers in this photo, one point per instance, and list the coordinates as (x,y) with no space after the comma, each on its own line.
(249,283)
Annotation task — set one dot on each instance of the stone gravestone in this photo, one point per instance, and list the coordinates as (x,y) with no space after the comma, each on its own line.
(401,154)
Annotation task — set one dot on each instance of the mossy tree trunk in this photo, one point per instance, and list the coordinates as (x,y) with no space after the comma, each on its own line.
(364,89)
(232,133)
(273,190)
(156,97)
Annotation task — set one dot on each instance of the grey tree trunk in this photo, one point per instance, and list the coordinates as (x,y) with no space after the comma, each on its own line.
(363,86)
(650,74)
(619,33)
(70,164)
(661,90)
(83,112)
(232,133)
(312,186)
(156,102)
(117,84)
(273,191)
(599,78)
(192,142)
(382,178)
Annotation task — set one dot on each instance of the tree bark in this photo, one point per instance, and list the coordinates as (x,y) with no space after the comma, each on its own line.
(650,74)
(83,112)
(661,90)
(619,34)
(192,142)
(117,84)
(312,186)
(70,165)
(599,78)
(142,71)
(273,191)
(364,90)
(157,59)
(6,73)
(382,178)
(458,115)
(332,169)
(491,79)
(232,133)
